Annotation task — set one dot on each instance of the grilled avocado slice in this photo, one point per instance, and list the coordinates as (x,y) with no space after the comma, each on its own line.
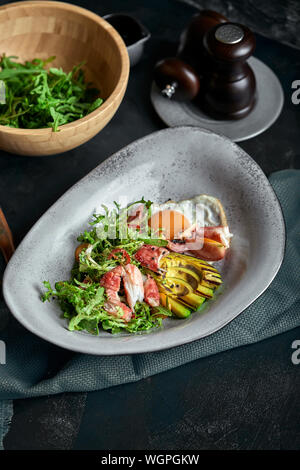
(176,286)
(194,300)
(178,308)
(185,282)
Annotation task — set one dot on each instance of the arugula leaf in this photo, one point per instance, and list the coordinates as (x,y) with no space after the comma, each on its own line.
(38,98)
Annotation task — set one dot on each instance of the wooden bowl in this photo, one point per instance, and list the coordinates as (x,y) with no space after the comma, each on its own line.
(44,28)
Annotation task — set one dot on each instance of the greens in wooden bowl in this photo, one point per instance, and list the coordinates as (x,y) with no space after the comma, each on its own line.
(36,97)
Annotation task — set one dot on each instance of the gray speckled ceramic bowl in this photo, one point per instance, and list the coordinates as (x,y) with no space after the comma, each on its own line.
(175,163)
(127,26)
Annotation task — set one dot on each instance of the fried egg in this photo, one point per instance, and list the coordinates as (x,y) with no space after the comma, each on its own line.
(172,218)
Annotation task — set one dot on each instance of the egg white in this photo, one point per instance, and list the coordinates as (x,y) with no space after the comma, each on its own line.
(201,210)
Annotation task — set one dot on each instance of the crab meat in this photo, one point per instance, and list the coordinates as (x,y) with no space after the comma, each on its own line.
(149,256)
(151,295)
(133,285)
(111,281)
(116,308)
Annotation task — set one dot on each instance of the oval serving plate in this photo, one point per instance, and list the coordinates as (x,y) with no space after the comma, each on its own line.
(175,163)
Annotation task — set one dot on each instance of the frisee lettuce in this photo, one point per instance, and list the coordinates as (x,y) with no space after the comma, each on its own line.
(83,305)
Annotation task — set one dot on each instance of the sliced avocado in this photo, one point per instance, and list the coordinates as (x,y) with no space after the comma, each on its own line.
(193,299)
(205,291)
(174,260)
(201,264)
(192,260)
(190,276)
(178,308)
(177,286)
(195,269)
(211,277)
(184,282)
(209,284)
(197,278)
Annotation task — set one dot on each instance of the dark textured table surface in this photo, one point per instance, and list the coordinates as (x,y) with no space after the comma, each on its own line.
(247,398)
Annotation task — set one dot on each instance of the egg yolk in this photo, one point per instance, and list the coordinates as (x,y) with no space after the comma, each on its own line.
(168,223)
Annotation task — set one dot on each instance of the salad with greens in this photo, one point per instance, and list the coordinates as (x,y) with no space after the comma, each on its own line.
(36,97)
(131,271)
(103,248)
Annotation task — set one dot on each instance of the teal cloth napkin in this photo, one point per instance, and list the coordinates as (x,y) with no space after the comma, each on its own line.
(34,367)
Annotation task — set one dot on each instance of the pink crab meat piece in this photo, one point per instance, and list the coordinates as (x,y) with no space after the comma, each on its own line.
(151,295)
(149,256)
(133,285)
(111,281)
(114,309)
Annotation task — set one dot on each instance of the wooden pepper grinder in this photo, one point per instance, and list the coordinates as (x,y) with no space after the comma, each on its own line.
(229,86)
(191,40)
(176,79)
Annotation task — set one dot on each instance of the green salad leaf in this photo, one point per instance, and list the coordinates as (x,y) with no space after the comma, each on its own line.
(37,98)
(83,305)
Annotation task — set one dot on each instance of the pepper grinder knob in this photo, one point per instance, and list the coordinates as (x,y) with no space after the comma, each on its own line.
(176,79)
(230,83)
(229,34)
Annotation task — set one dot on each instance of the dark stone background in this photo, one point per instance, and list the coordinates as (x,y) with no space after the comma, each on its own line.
(277,19)
(246,398)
